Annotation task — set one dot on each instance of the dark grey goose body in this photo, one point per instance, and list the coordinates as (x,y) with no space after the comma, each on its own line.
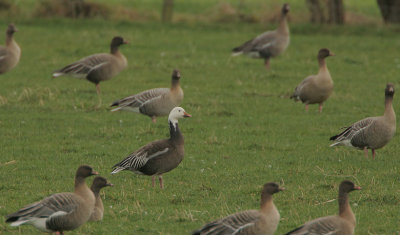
(11,52)
(155,102)
(98,67)
(62,211)
(342,224)
(373,132)
(158,157)
(252,222)
(316,89)
(269,44)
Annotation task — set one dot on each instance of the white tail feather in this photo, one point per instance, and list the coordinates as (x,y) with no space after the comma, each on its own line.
(116,170)
(237,53)
(116,109)
(57,75)
(18,223)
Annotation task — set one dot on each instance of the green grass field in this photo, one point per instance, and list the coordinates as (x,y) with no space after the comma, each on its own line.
(245,130)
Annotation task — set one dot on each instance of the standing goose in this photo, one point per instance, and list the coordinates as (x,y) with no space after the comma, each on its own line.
(269,44)
(98,67)
(342,224)
(252,222)
(98,183)
(155,102)
(159,156)
(315,89)
(372,132)
(62,211)
(10,54)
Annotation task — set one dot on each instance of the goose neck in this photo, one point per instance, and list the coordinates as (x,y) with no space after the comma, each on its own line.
(283,26)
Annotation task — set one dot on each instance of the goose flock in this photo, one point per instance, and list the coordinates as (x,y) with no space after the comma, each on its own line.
(67,211)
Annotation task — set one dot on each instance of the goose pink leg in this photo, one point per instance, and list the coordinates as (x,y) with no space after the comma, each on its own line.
(153,118)
(266,63)
(366,152)
(320,108)
(373,154)
(306,107)
(153,180)
(161,181)
(98,88)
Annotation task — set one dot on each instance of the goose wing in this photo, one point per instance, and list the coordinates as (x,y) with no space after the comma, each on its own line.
(60,203)
(238,223)
(139,158)
(137,100)
(323,226)
(354,134)
(83,67)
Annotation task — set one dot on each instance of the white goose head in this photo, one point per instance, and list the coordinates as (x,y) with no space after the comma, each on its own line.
(177,113)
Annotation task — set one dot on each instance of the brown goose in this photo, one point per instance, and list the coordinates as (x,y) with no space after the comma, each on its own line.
(315,89)
(10,54)
(372,132)
(252,222)
(98,183)
(159,156)
(155,102)
(98,67)
(268,44)
(62,211)
(342,224)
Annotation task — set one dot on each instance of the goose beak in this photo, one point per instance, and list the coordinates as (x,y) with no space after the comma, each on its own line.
(125,42)
(282,189)
(357,188)
(331,54)
(110,184)
(95,173)
(186,115)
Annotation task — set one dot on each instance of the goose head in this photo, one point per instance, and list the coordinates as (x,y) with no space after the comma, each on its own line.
(11,29)
(176,74)
(347,186)
(178,113)
(85,171)
(389,91)
(324,52)
(118,41)
(100,182)
(285,8)
(272,188)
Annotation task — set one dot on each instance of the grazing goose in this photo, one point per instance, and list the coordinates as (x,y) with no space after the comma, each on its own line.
(98,183)
(155,102)
(98,67)
(315,89)
(62,211)
(252,222)
(269,44)
(159,156)
(10,54)
(342,224)
(372,132)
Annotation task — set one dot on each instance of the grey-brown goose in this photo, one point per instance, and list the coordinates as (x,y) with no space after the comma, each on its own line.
(315,89)
(10,53)
(252,222)
(269,44)
(98,67)
(159,156)
(372,132)
(98,183)
(155,102)
(62,211)
(342,224)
